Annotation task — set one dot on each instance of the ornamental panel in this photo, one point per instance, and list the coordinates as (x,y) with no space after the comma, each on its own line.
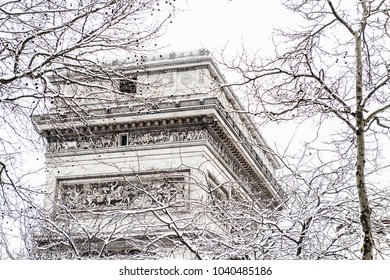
(123,194)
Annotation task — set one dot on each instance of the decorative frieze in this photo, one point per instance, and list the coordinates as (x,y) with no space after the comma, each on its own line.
(84,143)
(140,137)
(122,194)
(134,138)
(164,136)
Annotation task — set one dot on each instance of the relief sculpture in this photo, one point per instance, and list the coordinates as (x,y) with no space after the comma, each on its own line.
(84,143)
(121,194)
(135,138)
(153,137)
(176,135)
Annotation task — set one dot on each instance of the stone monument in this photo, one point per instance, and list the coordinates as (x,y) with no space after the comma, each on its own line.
(126,176)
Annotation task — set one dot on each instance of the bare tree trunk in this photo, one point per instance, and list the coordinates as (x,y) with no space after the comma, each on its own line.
(365,211)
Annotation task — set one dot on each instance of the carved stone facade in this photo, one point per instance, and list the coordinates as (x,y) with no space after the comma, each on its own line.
(132,138)
(122,194)
(160,136)
(134,169)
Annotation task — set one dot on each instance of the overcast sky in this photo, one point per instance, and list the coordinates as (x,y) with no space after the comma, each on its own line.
(213,24)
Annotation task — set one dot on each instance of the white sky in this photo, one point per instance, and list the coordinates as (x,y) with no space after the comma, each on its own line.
(212,24)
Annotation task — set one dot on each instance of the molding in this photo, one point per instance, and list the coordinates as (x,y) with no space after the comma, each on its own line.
(123,110)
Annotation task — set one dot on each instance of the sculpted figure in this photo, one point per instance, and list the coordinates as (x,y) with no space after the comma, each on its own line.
(99,195)
(83,144)
(190,135)
(89,195)
(163,137)
(59,146)
(99,142)
(52,147)
(131,139)
(72,195)
(116,193)
(174,136)
(203,134)
(71,145)
(145,139)
(69,196)
(182,136)
(129,196)
(136,138)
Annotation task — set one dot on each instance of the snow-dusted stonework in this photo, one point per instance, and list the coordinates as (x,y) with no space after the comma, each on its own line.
(122,194)
(149,153)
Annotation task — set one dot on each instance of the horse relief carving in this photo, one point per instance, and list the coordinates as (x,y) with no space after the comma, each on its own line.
(121,194)
(84,143)
(147,138)
(135,138)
